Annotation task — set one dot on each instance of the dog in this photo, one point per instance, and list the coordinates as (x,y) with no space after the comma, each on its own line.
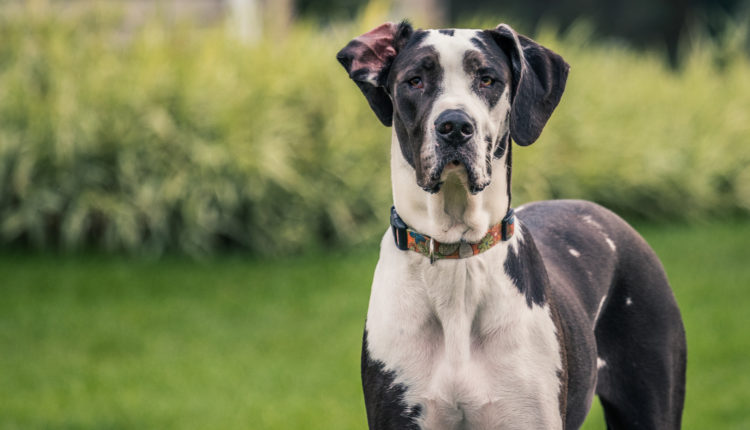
(482,317)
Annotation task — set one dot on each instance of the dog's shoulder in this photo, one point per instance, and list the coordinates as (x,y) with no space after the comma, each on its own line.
(584,246)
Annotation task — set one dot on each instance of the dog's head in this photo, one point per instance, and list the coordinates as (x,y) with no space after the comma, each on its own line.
(456,97)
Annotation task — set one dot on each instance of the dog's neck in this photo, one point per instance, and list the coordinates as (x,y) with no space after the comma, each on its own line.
(452,214)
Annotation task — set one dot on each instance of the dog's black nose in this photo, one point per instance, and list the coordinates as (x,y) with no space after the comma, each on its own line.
(454,127)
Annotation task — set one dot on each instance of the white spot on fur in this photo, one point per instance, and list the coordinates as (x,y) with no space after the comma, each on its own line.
(574,253)
(588,220)
(628,301)
(520,208)
(600,363)
(372,79)
(599,309)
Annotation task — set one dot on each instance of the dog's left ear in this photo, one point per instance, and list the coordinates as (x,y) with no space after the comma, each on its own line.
(539,77)
(368,60)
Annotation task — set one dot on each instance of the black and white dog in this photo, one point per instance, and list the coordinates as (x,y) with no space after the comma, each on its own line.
(479,319)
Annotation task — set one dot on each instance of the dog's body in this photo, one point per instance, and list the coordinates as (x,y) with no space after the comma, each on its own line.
(525,332)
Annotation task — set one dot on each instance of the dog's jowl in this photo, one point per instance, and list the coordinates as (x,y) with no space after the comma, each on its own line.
(482,317)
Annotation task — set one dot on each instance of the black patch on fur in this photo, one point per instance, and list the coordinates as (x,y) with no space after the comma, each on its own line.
(413,106)
(447,32)
(527,270)
(502,143)
(487,61)
(506,146)
(563,373)
(384,400)
(416,38)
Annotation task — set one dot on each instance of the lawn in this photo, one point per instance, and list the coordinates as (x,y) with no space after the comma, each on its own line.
(94,342)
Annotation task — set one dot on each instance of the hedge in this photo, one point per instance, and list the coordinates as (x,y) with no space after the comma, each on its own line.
(172,136)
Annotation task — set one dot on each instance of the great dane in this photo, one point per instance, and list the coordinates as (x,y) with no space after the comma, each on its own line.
(479,317)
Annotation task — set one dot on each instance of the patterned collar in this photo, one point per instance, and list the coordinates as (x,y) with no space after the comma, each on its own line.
(406,238)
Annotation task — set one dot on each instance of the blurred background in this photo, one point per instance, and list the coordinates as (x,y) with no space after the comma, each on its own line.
(192,193)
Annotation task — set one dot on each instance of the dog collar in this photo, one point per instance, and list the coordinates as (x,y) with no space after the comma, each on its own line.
(407,238)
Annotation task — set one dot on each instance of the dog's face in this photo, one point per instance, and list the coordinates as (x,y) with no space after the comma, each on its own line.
(455,97)
(451,101)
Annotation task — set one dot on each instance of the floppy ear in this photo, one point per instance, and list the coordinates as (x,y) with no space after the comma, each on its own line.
(539,77)
(368,59)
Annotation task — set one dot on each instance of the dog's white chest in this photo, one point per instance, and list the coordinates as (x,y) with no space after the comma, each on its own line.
(462,339)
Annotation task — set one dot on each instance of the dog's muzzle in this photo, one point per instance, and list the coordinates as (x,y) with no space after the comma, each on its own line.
(454,136)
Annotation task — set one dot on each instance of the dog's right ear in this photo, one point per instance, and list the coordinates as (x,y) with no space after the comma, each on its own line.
(539,77)
(368,59)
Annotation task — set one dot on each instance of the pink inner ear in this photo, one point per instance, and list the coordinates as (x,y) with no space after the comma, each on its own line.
(377,48)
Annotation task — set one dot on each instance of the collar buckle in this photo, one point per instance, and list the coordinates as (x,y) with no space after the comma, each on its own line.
(400,235)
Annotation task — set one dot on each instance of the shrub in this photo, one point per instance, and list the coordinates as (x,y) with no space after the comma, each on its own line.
(175,137)
(643,139)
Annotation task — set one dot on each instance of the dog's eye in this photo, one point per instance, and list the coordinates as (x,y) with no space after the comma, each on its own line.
(486,81)
(416,83)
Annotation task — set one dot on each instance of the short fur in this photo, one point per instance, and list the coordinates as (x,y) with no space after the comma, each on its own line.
(524,334)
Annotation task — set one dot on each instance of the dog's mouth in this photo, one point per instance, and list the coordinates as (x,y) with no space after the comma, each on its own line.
(454,164)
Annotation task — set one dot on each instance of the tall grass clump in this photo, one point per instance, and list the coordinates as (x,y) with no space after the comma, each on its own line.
(172,136)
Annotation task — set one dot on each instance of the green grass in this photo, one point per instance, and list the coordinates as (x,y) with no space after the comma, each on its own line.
(91,342)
